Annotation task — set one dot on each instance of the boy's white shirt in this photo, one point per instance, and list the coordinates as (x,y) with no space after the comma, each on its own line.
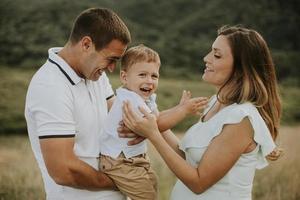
(110,143)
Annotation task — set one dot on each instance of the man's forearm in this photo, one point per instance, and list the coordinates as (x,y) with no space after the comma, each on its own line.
(67,169)
(86,177)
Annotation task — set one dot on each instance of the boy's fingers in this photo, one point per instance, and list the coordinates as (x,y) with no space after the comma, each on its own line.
(189,94)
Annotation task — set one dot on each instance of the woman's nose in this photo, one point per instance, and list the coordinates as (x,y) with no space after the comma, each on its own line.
(205,58)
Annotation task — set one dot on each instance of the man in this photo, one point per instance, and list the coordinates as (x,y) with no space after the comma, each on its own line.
(66,103)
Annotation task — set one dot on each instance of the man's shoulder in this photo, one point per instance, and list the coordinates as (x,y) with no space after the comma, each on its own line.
(48,74)
(47,81)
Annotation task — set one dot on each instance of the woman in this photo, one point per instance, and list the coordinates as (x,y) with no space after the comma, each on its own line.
(217,157)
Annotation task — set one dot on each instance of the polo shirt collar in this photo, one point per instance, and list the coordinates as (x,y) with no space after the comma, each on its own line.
(63,65)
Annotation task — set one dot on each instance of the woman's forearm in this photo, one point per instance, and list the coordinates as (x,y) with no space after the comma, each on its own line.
(177,164)
(173,141)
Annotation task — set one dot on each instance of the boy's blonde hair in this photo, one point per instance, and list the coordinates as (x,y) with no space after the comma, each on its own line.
(137,54)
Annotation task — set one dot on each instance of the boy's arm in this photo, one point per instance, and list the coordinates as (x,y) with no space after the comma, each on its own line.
(169,118)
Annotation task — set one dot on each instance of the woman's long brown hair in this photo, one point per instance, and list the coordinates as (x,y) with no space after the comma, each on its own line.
(253,78)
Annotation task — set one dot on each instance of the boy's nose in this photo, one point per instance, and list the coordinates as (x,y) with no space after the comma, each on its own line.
(149,79)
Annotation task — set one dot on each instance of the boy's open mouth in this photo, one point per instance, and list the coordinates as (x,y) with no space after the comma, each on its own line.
(146,89)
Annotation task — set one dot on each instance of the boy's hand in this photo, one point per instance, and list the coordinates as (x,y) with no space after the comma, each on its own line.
(194,105)
(186,95)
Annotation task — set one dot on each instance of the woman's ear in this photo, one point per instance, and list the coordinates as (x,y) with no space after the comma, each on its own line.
(123,77)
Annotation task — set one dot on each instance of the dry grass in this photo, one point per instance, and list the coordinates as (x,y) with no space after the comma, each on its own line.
(20,177)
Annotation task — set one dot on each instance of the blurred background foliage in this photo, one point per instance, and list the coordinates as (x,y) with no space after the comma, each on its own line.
(182,31)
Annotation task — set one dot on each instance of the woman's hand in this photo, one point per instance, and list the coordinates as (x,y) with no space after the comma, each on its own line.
(125,132)
(144,126)
(275,154)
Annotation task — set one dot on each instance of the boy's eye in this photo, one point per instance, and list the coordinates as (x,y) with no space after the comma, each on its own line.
(155,76)
(142,74)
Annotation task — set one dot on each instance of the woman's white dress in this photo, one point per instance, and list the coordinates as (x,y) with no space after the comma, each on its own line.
(237,183)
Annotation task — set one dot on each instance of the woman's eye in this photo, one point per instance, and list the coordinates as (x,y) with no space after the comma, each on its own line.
(217,56)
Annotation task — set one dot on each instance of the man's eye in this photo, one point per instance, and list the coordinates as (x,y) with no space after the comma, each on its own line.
(111,61)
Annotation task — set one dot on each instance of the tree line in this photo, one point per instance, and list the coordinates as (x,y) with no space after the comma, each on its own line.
(181,31)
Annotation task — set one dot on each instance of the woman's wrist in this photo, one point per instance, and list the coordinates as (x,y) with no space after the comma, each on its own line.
(155,136)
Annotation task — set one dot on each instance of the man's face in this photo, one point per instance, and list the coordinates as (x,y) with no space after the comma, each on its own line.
(142,78)
(96,62)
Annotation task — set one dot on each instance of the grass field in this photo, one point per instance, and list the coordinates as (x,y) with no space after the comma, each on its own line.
(20,178)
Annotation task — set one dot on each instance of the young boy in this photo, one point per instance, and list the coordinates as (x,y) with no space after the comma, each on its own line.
(129,166)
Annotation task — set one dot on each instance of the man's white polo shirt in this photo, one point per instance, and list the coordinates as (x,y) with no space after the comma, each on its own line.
(112,144)
(61,104)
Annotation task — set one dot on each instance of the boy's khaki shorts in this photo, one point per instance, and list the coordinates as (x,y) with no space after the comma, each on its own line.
(133,176)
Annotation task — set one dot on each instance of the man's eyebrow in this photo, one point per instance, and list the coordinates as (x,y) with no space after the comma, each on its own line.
(115,58)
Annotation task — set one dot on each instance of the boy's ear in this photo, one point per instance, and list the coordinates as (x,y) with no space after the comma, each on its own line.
(123,77)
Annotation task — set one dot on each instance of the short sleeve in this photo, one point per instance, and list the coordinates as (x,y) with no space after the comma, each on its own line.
(151,103)
(51,107)
(262,135)
(232,114)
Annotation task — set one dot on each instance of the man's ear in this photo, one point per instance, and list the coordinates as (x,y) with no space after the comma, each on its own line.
(123,77)
(86,43)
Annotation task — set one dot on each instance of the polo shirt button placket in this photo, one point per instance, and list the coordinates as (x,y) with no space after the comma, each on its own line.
(93,101)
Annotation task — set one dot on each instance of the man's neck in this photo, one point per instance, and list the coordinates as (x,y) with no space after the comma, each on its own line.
(68,53)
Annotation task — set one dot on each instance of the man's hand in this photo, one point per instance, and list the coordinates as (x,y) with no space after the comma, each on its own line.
(125,132)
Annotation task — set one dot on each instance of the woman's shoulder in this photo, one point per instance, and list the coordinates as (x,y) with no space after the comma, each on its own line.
(242,110)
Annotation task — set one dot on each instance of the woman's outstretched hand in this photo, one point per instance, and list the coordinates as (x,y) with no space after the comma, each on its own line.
(145,125)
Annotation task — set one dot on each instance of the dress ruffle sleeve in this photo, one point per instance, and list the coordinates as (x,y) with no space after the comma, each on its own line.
(201,134)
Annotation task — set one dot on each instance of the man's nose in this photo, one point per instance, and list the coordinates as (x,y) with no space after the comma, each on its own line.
(111,67)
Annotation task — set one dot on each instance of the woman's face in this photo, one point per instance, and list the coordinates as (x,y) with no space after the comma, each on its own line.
(218,62)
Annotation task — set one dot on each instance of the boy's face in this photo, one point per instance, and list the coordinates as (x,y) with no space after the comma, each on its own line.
(141,78)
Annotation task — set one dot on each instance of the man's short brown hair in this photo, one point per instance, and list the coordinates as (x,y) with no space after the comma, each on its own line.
(102,25)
